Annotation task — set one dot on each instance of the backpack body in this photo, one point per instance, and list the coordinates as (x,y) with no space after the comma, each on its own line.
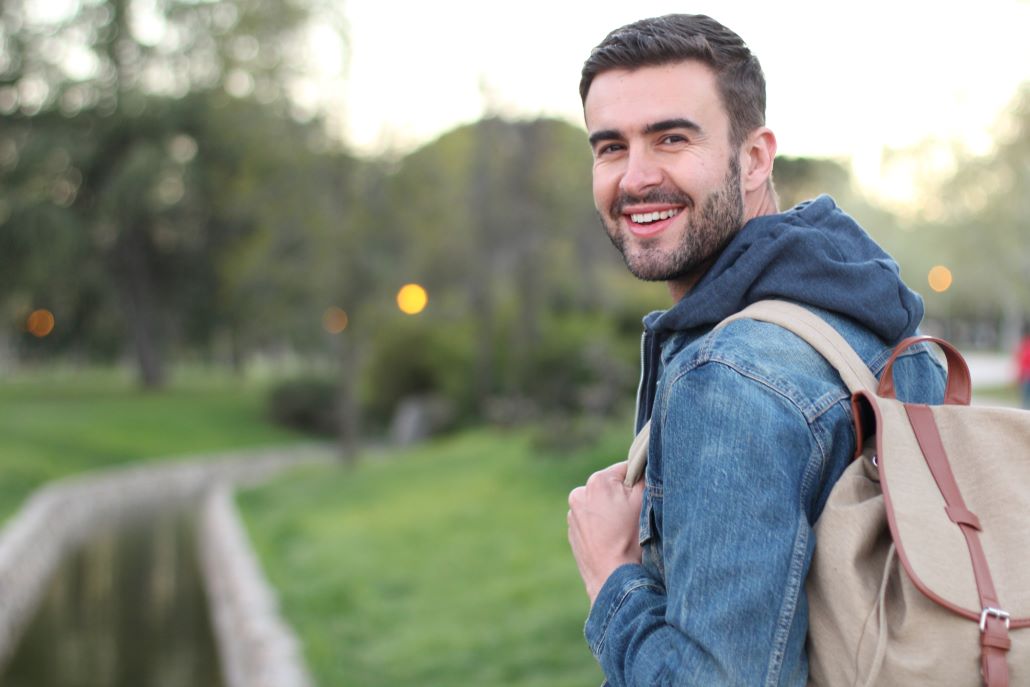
(894,594)
(921,570)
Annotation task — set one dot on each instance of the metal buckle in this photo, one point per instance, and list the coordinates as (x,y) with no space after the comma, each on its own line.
(997,613)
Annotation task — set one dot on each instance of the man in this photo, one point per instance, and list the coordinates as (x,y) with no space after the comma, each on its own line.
(696,575)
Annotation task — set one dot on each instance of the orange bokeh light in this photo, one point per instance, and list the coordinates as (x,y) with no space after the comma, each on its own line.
(940,278)
(40,323)
(412,299)
(334,320)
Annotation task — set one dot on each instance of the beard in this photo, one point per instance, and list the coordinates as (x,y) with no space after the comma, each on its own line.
(706,232)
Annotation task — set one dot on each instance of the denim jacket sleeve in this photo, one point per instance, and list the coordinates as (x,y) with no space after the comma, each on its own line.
(736,464)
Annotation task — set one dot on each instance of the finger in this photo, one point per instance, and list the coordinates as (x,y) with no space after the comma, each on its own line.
(575,496)
(618,470)
(612,473)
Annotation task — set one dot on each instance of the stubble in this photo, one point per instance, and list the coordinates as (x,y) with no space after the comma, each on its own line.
(708,229)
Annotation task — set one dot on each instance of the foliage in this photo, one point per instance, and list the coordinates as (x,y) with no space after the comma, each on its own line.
(411,357)
(496,219)
(308,404)
(172,201)
(129,175)
(980,230)
(445,565)
(802,178)
(578,366)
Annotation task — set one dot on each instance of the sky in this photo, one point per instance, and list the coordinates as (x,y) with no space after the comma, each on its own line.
(845,80)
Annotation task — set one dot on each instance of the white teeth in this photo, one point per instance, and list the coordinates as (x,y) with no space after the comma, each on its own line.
(648,217)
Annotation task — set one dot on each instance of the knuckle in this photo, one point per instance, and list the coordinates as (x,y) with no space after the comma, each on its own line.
(574,497)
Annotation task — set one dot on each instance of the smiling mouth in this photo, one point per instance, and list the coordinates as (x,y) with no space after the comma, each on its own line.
(649,217)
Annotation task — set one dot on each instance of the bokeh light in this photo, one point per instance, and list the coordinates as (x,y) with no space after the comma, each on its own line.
(334,320)
(40,323)
(940,278)
(412,299)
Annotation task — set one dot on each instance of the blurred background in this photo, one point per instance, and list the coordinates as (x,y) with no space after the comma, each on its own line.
(228,224)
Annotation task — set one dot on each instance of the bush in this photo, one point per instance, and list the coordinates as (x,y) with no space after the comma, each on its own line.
(571,363)
(411,358)
(577,367)
(307,404)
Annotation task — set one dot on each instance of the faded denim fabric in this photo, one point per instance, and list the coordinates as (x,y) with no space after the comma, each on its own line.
(751,428)
(755,415)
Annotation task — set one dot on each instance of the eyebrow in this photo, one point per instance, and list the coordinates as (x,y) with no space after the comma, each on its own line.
(604,135)
(676,123)
(653,128)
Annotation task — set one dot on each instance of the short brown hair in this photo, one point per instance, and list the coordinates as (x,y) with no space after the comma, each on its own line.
(681,37)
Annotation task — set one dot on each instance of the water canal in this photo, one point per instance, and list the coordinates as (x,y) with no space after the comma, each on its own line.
(127,609)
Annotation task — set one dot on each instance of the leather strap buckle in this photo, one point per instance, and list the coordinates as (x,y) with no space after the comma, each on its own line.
(997,613)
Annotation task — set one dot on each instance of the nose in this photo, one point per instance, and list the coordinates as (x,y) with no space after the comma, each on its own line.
(642,173)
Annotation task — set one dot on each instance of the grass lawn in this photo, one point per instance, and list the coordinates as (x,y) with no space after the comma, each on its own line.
(444,565)
(1007,395)
(55,424)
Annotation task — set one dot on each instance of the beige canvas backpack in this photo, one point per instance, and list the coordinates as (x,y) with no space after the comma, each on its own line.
(921,572)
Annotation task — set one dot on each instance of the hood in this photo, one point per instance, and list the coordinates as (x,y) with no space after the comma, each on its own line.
(813,254)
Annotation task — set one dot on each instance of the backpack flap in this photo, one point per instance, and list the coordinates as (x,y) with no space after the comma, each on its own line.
(987,451)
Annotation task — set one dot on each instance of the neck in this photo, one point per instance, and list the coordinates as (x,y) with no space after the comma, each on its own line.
(761,202)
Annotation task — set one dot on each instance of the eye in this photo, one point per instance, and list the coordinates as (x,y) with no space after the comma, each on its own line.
(608,148)
(673,139)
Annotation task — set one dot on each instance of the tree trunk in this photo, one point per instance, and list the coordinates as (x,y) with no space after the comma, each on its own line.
(349,409)
(135,290)
(481,276)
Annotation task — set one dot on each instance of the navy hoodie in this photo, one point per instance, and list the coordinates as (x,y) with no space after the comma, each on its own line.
(814,254)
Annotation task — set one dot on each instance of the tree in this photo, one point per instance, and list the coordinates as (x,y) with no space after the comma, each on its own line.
(497,220)
(117,92)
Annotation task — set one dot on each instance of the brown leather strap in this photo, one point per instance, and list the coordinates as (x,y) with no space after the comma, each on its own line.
(994,644)
(994,635)
(963,516)
(959,390)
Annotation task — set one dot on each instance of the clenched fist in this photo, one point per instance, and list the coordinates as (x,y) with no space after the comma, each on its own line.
(604,520)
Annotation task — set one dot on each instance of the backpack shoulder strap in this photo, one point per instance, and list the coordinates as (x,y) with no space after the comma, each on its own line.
(813,329)
(818,333)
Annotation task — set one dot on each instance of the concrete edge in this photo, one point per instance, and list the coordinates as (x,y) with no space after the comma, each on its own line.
(256,646)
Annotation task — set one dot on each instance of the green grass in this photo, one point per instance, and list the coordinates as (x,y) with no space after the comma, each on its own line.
(442,565)
(1006,395)
(445,565)
(56,424)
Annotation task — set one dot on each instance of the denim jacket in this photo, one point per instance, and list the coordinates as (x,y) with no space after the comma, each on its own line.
(750,429)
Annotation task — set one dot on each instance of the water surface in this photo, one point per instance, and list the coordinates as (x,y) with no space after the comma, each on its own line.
(126,610)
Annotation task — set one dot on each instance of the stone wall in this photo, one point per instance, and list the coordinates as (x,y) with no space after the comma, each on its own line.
(256,647)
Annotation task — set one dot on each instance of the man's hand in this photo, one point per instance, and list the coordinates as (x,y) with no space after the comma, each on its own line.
(604,521)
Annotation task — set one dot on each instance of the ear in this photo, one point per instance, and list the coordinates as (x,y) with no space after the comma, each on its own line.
(757,156)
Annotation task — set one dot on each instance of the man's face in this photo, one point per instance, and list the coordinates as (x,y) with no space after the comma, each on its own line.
(666,181)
